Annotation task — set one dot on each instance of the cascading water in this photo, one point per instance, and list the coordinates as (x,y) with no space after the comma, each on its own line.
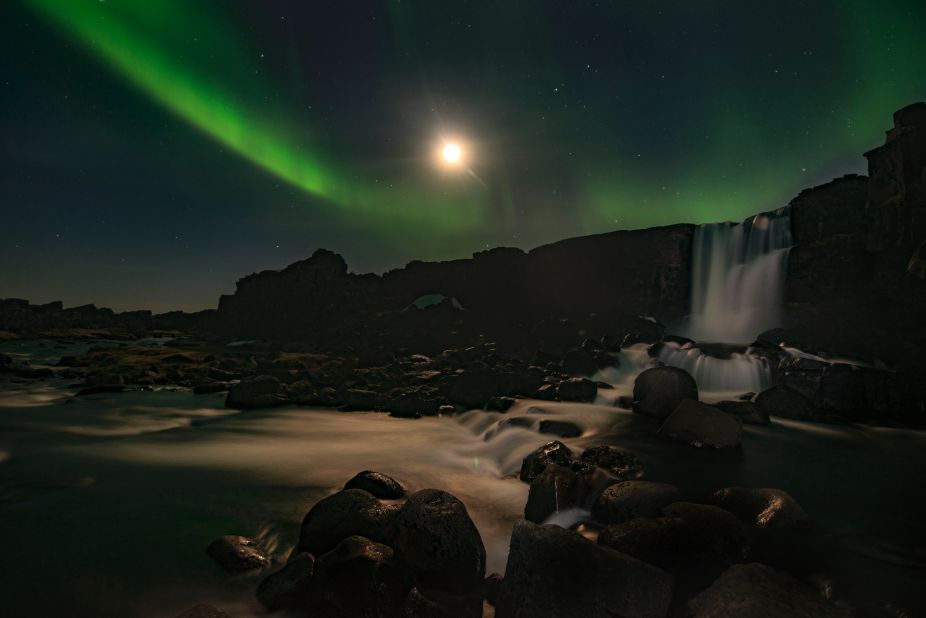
(738,277)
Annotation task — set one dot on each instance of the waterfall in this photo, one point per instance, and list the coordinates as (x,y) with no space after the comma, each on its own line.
(738,277)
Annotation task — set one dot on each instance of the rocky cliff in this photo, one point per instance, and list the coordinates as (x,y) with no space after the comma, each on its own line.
(856,281)
(590,285)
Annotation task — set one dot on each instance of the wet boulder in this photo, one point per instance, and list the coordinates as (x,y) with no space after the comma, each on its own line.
(788,403)
(474,387)
(563,429)
(434,535)
(556,489)
(759,591)
(362,578)
(619,463)
(762,507)
(257,392)
(556,572)
(347,513)
(380,485)
(660,541)
(659,390)
(699,424)
(629,499)
(288,586)
(577,389)
(713,529)
(747,411)
(237,553)
(554,452)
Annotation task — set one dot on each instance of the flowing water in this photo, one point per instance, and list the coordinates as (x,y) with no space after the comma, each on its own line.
(107,502)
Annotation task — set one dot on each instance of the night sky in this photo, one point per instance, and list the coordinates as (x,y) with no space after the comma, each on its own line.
(154,151)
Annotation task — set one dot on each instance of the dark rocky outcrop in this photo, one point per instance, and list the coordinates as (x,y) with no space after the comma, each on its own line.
(762,507)
(554,452)
(257,392)
(555,489)
(617,462)
(558,573)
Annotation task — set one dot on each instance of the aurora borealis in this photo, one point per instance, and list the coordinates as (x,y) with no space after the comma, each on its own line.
(154,151)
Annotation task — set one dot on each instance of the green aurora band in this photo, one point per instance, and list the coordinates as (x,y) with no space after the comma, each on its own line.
(741,156)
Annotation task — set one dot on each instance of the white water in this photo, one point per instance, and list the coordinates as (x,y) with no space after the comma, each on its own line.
(741,372)
(738,277)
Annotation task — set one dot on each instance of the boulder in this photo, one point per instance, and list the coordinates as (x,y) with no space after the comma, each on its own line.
(617,462)
(558,573)
(699,424)
(762,507)
(577,389)
(660,541)
(785,402)
(713,529)
(629,499)
(759,591)
(362,578)
(500,404)
(556,488)
(257,392)
(346,513)
(747,411)
(491,587)
(659,390)
(380,485)
(579,362)
(474,388)
(554,452)
(288,586)
(434,535)
(237,553)
(563,429)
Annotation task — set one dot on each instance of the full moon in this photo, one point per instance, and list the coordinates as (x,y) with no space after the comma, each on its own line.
(452,153)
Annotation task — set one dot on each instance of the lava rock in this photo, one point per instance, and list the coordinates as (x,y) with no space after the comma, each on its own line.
(362,578)
(346,513)
(258,392)
(629,499)
(617,462)
(747,411)
(788,403)
(713,529)
(288,586)
(699,424)
(577,389)
(762,507)
(434,535)
(237,553)
(563,429)
(558,573)
(555,489)
(759,591)
(380,485)
(554,452)
(660,541)
(659,390)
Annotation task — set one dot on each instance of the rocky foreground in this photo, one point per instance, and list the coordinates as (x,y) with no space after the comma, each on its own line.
(650,549)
